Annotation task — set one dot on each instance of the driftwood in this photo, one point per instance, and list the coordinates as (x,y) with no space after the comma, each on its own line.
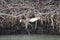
(48,12)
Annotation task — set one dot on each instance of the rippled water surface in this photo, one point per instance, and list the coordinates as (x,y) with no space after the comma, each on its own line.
(29,37)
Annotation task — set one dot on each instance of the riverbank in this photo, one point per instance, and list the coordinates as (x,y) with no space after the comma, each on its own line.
(14,11)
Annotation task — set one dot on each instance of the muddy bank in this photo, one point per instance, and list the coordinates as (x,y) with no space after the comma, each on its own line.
(12,25)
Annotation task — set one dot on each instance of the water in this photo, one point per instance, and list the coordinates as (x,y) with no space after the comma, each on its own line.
(29,37)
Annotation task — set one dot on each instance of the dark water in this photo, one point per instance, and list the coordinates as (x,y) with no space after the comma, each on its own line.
(29,37)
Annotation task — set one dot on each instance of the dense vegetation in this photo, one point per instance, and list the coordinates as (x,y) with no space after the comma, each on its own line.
(11,11)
